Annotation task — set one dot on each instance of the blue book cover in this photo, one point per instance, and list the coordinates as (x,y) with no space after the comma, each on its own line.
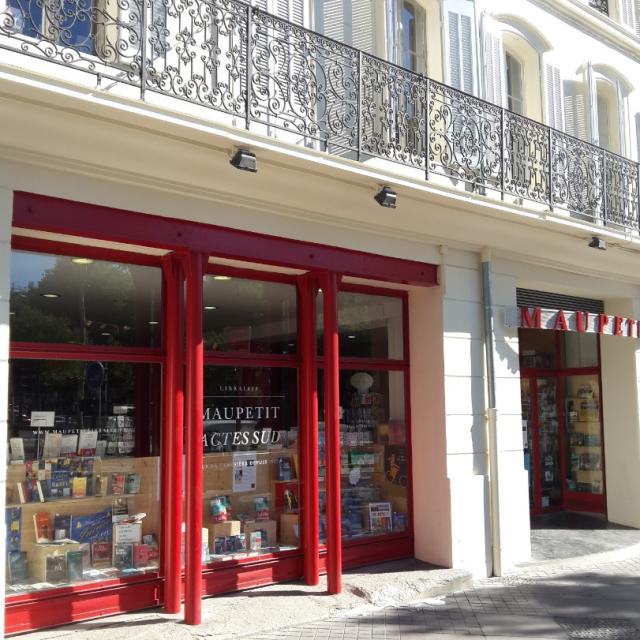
(13,518)
(60,484)
(96,527)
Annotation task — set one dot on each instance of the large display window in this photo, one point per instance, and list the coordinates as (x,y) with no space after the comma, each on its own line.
(84,427)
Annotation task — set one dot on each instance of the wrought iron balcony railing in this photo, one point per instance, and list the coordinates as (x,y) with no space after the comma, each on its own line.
(270,74)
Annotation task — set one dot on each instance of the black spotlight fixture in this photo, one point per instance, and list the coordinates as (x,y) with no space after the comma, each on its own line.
(598,243)
(386,197)
(244,160)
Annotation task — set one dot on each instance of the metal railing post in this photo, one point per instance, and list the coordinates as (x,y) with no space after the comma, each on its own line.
(249,70)
(550,139)
(143,48)
(637,220)
(359,107)
(503,142)
(604,187)
(426,128)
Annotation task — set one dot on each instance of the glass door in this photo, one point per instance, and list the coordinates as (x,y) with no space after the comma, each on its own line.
(548,471)
(527,434)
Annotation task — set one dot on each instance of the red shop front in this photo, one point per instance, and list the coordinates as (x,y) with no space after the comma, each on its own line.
(189,415)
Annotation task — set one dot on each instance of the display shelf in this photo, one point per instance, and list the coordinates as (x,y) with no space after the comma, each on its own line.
(109,496)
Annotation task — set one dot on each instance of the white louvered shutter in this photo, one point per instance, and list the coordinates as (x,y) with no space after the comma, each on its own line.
(494,63)
(623,119)
(575,108)
(553,97)
(348,21)
(627,14)
(592,93)
(460,45)
(291,10)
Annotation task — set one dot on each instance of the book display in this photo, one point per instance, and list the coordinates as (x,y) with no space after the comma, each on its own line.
(584,472)
(251,502)
(549,442)
(65,524)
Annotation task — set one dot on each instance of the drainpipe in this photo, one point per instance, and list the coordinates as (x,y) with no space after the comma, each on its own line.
(492,414)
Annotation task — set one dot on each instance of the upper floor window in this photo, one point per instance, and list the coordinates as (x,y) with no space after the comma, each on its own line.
(412,36)
(515,94)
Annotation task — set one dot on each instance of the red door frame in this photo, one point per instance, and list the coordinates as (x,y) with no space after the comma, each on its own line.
(570,499)
(192,241)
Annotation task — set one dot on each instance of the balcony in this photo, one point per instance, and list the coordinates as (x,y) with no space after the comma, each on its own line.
(600,5)
(271,77)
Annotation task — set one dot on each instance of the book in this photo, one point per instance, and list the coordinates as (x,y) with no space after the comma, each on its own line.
(85,549)
(87,443)
(261,505)
(101,448)
(117,483)
(132,483)
(59,486)
(219,511)
(16,447)
(62,526)
(79,487)
(96,527)
(52,445)
(285,471)
(140,555)
(56,568)
(43,526)
(101,485)
(127,533)
(119,509)
(100,554)
(123,556)
(380,518)
(17,567)
(74,565)
(69,445)
(13,519)
(29,491)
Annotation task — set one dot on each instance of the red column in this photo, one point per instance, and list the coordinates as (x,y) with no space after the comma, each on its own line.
(172,432)
(332,431)
(307,290)
(193,439)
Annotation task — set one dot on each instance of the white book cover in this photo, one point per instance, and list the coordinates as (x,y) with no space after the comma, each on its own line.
(101,448)
(52,445)
(69,444)
(17,448)
(87,443)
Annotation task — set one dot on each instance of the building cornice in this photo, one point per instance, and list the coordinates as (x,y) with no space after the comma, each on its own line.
(595,24)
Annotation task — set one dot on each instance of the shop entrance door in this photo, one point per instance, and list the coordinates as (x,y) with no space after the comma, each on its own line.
(542,413)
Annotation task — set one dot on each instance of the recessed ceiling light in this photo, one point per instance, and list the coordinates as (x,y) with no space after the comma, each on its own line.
(222,277)
(50,295)
(210,308)
(351,337)
(82,260)
(12,313)
(105,333)
(152,322)
(291,344)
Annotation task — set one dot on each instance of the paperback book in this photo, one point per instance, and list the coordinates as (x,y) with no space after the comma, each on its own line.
(13,518)
(52,445)
(79,487)
(117,483)
(56,568)
(119,509)
(123,556)
(74,565)
(43,527)
(69,445)
(132,483)
(62,526)
(87,443)
(17,567)
(60,483)
(16,447)
(140,555)
(101,554)
(380,516)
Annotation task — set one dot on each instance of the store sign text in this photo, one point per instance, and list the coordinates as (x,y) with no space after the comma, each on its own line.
(577,321)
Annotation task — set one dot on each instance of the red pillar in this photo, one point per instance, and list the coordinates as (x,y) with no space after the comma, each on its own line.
(307,291)
(193,439)
(172,432)
(332,431)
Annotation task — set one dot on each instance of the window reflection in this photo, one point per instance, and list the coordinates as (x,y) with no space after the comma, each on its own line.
(73,300)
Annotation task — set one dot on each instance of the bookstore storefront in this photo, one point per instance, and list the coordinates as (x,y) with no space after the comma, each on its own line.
(160,450)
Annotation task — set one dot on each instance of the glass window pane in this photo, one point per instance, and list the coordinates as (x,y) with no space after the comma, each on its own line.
(249,315)
(584,435)
(374,455)
(369,326)
(580,350)
(83,444)
(251,468)
(74,300)
(537,348)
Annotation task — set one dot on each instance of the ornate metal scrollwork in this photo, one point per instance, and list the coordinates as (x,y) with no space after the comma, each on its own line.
(600,5)
(621,191)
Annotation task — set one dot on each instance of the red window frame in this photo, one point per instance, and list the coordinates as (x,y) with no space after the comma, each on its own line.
(30,610)
(184,243)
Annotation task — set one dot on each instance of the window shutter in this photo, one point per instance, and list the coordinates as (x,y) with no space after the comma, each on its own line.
(623,119)
(348,21)
(291,10)
(494,63)
(592,92)
(627,13)
(554,98)
(636,6)
(575,109)
(460,45)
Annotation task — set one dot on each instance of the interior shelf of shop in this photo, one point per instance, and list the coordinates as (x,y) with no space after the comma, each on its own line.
(109,496)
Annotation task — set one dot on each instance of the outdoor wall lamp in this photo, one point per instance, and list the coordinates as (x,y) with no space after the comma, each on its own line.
(386,197)
(244,160)
(598,243)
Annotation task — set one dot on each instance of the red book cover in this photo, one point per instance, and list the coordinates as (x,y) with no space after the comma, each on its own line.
(101,554)
(43,526)
(140,555)
(117,483)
